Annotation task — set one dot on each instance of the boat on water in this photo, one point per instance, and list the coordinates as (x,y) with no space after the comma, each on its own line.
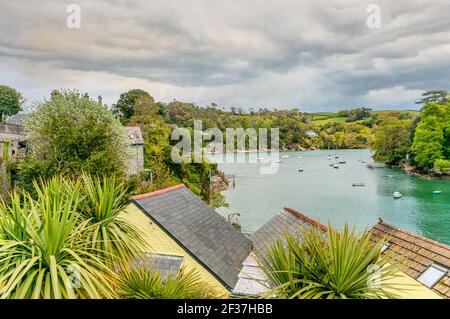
(358,184)
(390,176)
(300,169)
(437,192)
(299,156)
(329,157)
(331,164)
(284,156)
(335,166)
(342,162)
(336,156)
(397,195)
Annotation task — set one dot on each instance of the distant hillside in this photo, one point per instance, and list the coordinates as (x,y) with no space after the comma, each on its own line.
(323,118)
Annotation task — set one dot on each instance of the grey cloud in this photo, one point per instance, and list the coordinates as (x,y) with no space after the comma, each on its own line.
(318,55)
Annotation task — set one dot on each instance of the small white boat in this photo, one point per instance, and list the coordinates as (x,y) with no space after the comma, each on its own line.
(329,157)
(284,156)
(299,156)
(335,166)
(397,195)
(437,192)
(260,158)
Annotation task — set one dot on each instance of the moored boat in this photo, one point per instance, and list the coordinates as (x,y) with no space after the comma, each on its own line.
(397,195)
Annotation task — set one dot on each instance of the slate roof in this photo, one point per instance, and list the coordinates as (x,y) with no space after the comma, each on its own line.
(252,279)
(416,252)
(205,234)
(19,118)
(286,221)
(134,134)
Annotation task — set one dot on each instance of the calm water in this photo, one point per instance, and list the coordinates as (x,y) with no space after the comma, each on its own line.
(327,194)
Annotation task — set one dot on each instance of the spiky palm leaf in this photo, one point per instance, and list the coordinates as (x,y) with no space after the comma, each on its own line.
(146,283)
(104,201)
(43,250)
(332,265)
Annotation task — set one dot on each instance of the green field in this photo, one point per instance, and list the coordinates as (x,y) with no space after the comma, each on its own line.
(323,118)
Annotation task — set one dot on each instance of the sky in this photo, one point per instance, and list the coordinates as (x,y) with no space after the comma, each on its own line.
(312,55)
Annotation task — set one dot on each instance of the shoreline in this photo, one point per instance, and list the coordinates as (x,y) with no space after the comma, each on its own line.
(411,170)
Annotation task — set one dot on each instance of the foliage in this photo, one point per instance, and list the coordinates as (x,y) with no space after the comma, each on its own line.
(43,248)
(145,283)
(433,96)
(10,101)
(157,153)
(392,140)
(103,201)
(335,265)
(69,134)
(126,103)
(429,136)
(442,165)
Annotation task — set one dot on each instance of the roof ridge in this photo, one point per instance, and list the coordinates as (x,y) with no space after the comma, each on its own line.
(306,218)
(426,239)
(161,191)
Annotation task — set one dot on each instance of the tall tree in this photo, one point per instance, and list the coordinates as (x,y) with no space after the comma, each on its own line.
(10,101)
(127,102)
(392,140)
(70,134)
(433,96)
(428,145)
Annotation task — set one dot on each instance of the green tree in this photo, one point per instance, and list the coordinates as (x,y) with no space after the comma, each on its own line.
(10,101)
(392,140)
(428,144)
(433,96)
(70,134)
(127,102)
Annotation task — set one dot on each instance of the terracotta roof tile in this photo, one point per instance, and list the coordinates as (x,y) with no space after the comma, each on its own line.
(416,252)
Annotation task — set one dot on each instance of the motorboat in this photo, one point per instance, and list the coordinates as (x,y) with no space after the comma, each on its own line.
(335,166)
(358,184)
(437,192)
(397,195)
(342,162)
(300,169)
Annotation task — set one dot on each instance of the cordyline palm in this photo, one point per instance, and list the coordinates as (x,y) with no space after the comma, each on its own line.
(43,248)
(147,283)
(332,265)
(101,208)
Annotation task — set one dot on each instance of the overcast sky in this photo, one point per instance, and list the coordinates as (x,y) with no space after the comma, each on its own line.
(316,55)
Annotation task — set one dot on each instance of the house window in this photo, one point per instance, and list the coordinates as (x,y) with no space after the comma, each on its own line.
(432,275)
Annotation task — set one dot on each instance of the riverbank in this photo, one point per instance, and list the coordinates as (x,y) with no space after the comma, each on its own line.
(411,170)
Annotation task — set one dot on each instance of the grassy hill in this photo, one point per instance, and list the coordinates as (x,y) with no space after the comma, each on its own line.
(323,118)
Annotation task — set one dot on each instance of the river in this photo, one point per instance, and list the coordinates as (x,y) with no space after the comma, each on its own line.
(327,194)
